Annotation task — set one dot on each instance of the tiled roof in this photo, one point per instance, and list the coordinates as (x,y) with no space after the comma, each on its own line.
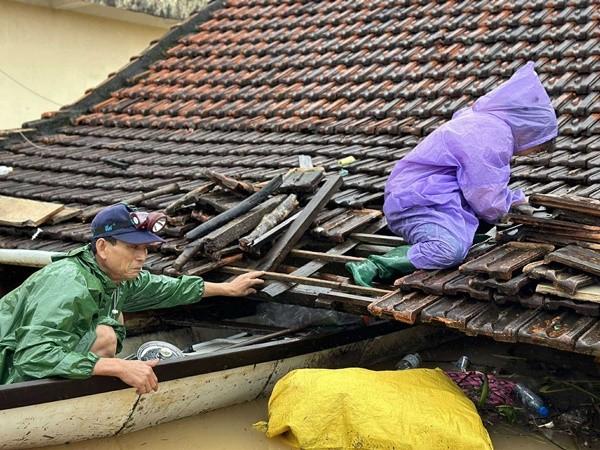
(245,87)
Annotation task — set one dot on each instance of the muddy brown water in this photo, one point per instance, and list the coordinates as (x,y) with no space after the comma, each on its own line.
(231,428)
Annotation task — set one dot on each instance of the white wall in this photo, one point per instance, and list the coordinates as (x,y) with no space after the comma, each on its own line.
(59,55)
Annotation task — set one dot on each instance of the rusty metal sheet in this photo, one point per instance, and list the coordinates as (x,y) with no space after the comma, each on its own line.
(583,259)
(589,342)
(556,329)
(501,324)
(503,261)
(454,312)
(338,227)
(402,306)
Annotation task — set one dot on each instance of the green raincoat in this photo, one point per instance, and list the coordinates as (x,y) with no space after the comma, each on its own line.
(48,324)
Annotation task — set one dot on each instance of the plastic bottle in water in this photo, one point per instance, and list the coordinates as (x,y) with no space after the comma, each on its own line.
(531,400)
(409,362)
(462,363)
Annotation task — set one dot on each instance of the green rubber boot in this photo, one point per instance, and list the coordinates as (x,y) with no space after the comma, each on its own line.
(394,263)
(363,272)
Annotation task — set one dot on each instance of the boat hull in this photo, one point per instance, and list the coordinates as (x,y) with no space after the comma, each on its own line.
(117,409)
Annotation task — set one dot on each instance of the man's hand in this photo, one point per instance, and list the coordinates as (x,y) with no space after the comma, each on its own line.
(138,374)
(239,287)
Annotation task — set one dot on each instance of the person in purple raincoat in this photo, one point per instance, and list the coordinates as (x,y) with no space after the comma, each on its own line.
(459,174)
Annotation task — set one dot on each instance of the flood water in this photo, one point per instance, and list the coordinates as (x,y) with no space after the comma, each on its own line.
(231,428)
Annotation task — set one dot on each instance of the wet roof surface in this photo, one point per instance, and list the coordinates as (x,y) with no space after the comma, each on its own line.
(246,87)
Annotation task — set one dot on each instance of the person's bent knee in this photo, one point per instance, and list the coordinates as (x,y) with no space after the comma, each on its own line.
(438,254)
(450,253)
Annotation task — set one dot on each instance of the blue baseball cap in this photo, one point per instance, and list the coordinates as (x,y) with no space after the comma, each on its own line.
(116,221)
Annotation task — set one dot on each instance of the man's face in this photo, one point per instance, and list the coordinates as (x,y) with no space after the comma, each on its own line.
(121,261)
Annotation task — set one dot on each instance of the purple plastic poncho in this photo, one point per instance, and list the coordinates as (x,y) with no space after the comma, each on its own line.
(461,171)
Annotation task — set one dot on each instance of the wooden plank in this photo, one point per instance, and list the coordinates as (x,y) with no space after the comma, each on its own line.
(310,268)
(234,229)
(392,241)
(20,212)
(341,286)
(63,215)
(285,243)
(320,256)
(277,230)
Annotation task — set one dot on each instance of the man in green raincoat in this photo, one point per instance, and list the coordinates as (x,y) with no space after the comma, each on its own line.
(66,319)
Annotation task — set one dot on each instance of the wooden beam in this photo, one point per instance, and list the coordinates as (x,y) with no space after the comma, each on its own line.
(328,257)
(190,197)
(280,250)
(202,230)
(341,286)
(236,211)
(236,228)
(310,268)
(392,241)
(270,235)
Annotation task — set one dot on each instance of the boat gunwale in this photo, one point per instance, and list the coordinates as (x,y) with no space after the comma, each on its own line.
(35,392)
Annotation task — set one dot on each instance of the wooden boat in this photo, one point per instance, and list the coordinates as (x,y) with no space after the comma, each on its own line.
(56,411)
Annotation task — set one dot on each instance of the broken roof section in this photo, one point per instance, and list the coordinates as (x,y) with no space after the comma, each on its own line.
(163,9)
(243,92)
(169,9)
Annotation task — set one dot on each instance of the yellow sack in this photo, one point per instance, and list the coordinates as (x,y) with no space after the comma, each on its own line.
(360,408)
